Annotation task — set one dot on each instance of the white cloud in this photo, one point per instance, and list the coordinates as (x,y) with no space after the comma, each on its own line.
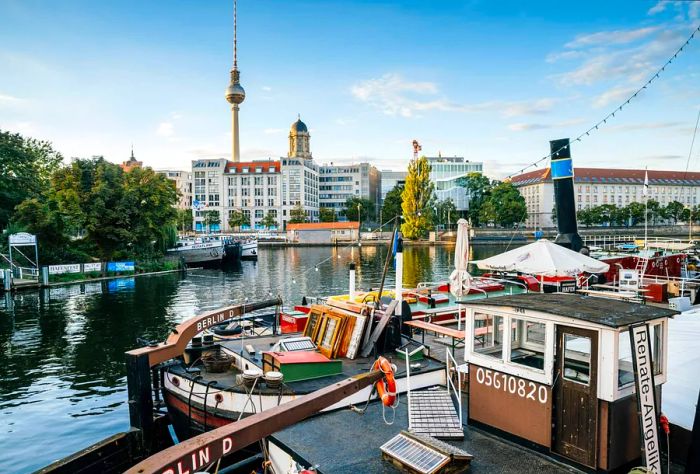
(615,96)
(527,127)
(28,129)
(266,88)
(9,99)
(392,95)
(642,126)
(165,129)
(611,37)
(658,8)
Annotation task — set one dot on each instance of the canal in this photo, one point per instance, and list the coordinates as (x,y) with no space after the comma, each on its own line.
(62,374)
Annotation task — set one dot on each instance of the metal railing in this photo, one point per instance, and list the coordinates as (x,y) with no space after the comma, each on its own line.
(408,385)
(457,391)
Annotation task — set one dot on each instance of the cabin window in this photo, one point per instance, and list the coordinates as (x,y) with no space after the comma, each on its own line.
(527,343)
(488,335)
(577,358)
(625,367)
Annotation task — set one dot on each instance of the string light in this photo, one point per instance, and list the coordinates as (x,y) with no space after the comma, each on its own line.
(619,108)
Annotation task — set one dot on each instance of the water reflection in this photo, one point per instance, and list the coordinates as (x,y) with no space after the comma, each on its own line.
(62,374)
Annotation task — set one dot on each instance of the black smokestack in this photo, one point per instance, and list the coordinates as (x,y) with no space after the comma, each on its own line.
(564,203)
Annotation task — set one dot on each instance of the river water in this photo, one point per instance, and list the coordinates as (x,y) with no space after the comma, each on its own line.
(62,372)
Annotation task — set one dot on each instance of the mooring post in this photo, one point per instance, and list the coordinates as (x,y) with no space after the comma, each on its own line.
(138,377)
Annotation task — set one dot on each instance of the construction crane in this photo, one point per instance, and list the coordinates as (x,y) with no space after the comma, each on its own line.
(416,149)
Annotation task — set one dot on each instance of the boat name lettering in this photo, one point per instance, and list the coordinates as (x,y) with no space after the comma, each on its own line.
(212,320)
(515,385)
(193,461)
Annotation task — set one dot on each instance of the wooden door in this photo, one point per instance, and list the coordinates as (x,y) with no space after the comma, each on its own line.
(576,396)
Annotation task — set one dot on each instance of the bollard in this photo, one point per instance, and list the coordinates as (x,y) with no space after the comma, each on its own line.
(7,280)
(44,276)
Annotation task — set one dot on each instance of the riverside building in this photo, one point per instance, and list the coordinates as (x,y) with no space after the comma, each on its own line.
(597,186)
(182,181)
(447,173)
(338,183)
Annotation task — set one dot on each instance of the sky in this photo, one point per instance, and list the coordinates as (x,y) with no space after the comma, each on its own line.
(490,81)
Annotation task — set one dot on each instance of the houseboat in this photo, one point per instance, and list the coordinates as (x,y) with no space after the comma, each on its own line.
(196,252)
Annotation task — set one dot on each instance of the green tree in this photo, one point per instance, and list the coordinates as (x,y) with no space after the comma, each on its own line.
(417,200)
(211,218)
(391,208)
(298,215)
(478,189)
(487,213)
(446,210)
(326,214)
(508,204)
(654,211)
(636,212)
(36,216)
(270,220)
(236,219)
(26,166)
(365,207)
(184,220)
(674,211)
(586,217)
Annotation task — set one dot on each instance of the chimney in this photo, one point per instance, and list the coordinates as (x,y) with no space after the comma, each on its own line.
(564,202)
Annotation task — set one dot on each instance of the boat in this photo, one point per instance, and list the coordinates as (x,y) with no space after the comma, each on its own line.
(197,252)
(249,249)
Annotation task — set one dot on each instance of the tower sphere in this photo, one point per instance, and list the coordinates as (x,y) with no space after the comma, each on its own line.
(235,94)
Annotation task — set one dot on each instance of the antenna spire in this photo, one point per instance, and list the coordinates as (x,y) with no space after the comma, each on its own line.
(235,31)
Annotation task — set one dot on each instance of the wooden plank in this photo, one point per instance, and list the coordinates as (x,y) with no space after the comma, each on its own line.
(367,348)
(456,333)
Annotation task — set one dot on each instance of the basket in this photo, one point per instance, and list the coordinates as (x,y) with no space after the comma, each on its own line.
(217,362)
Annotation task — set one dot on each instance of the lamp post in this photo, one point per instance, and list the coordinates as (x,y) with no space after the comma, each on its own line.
(359,221)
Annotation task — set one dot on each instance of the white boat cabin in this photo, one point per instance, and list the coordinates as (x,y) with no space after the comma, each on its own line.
(557,370)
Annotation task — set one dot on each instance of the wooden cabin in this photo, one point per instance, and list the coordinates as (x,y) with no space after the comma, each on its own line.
(556,370)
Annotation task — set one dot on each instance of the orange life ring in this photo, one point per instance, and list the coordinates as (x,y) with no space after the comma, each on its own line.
(386,388)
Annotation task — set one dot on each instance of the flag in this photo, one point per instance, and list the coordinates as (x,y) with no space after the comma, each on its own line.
(645,190)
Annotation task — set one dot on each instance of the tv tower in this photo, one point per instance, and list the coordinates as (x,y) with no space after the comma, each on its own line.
(235,94)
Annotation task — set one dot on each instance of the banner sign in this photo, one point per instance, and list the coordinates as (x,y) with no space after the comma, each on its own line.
(563,168)
(59,269)
(22,238)
(120,266)
(646,396)
(92,267)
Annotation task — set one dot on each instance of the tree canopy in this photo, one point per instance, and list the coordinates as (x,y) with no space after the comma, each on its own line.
(391,207)
(478,189)
(417,200)
(504,206)
(297,215)
(365,206)
(270,220)
(326,214)
(237,218)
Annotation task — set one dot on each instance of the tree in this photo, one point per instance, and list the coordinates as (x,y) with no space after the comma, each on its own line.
(674,211)
(211,218)
(298,215)
(237,219)
(270,220)
(326,214)
(391,209)
(364,206)
(653,211)
(636,212)
(478,189)
(417,198)
(507,206)
(586,217)
(26,166)
(446,210)
(554,215)
(184,220)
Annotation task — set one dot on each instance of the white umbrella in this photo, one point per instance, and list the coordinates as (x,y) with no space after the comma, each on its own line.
(543,257)
(460,280)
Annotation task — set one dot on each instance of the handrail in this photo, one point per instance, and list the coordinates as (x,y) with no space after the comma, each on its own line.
(408,384)
(185,331)
(458,390)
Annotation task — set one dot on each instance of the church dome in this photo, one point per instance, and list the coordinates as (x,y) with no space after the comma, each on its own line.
(299,126)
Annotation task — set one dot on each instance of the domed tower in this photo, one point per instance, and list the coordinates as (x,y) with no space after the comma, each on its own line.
(299,141)
(235,94)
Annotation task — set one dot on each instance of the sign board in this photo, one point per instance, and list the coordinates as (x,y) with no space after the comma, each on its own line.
(59,269)
(92,267)
(120,266)
(567,286)
(646,396)
(22,238)
(629,279)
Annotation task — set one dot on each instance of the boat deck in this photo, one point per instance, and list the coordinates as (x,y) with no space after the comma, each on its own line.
(350,367)
(345,442)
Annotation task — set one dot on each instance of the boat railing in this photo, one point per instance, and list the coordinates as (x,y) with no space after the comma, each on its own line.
(408,383)
(429,284)
(505,281)
(450,365)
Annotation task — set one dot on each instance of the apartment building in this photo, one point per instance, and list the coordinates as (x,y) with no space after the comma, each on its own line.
(337,183)
(182,181)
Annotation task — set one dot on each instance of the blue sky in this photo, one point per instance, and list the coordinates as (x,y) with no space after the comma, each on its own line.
(491,81)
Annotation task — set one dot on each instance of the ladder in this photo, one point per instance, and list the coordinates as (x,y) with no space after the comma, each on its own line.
(641,267)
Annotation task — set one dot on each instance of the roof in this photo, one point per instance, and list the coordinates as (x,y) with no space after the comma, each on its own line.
(237,167)
(299,126)
(613,176)
(324,226)
(602,311)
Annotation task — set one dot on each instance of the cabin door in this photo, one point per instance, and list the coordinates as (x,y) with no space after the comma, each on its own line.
(575,414)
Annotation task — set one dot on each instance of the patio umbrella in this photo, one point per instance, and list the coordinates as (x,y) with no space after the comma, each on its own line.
(543,257)
(460,279)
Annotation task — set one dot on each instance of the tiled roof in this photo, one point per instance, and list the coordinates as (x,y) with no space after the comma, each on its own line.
(614,176)
(232,167)
(324,226)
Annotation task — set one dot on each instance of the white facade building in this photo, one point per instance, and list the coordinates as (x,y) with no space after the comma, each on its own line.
(182,180)
(337,183)
(390,179)
(447,172)
(597,186)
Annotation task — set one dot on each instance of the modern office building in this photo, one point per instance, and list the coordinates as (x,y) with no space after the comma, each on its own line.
(182,181)
(337,183)
(389,180)
(596,186)
(447,173)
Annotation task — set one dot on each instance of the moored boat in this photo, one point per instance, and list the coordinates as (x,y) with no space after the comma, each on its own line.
(198,252)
